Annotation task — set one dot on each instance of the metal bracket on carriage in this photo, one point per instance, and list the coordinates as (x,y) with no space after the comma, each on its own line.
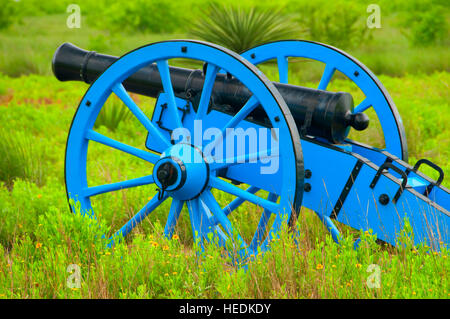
(430,186)
(380,171)
(159,122)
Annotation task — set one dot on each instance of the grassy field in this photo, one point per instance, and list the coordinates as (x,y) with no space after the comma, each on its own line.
(41,241)
(35,39)
(40,238)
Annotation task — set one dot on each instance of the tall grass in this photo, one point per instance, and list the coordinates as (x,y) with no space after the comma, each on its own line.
(154,267)
(19,158)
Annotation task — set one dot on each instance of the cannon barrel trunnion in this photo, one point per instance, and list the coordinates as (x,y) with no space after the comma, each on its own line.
(320,167)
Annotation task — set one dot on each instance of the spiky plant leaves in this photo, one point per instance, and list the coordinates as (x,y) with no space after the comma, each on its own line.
(112,114)
(239,29)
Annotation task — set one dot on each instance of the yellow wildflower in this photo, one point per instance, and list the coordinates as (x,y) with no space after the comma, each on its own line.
(38,245)
(175,237)
(319,267)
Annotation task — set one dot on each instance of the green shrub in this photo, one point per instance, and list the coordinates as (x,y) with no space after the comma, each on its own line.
(21,208)
(138,16)
(240,29)
(337,23)
(9,13)
(426,27)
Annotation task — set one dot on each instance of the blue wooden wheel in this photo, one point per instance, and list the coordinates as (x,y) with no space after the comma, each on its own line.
(376,96)
(196,183)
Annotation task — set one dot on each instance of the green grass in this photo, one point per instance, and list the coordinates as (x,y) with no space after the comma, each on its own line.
(39,237)
(27,48)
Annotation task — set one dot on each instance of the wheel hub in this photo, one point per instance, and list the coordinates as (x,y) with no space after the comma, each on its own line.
(167,174)
(182,172)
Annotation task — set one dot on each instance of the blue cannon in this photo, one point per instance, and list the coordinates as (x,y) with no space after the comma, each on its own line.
(225,128)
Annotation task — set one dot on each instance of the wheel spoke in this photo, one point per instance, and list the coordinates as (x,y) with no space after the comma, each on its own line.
(102,139)
(216,182)
(172,219)
(364,105)
(214,206)
(209,224)
(120,91)
(262,225)
(326,77)
(208,84)
(139,217)
(218,214)
(193,208)
(164,72)
(335,234)
(246,158)
(238,201)
(248,107)
(282,62)
(101,189)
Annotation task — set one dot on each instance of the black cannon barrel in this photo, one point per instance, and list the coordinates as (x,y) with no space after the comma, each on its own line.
(330,113)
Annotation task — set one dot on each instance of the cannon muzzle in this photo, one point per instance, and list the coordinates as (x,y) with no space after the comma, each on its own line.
(330,113)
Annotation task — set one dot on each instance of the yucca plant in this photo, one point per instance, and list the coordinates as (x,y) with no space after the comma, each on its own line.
(112,114)
(240,29)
